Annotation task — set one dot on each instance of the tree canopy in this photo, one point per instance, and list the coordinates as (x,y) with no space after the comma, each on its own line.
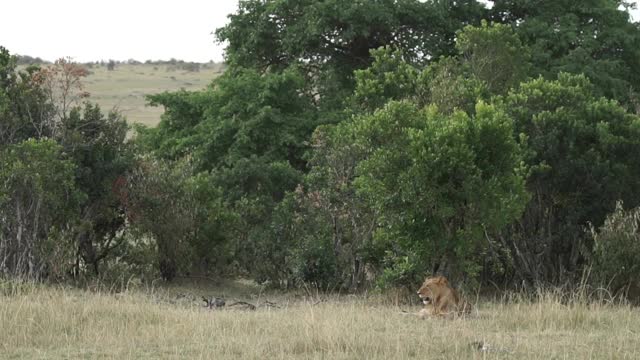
(593,37)
(403,137)
(348,144)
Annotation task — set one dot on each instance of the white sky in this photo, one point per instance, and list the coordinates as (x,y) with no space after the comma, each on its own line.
(90,30)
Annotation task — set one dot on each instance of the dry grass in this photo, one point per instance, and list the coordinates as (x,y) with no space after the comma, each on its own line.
(64,323)
(126,86)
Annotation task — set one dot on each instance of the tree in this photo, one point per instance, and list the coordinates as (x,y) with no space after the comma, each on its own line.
(439,182)
(62,81)
(25,109)
(447,83)
(616,246)
(390,77)
(322,232)
(290,70)
(593,37)
(581,151)
(212,240)
(494,55)
(43,105)
(396,135)
(490,61)
(248,131)
(331,39)
(158,204)
(98,146)
(243,115)
(37,195)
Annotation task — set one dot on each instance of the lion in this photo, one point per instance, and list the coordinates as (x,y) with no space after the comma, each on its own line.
(440,299)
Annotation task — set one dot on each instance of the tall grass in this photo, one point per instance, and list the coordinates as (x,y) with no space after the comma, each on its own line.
(57,322)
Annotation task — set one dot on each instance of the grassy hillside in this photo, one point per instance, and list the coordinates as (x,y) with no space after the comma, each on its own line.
(125,87)
(63,323)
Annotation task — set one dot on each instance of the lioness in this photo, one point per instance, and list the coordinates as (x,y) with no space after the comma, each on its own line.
(441,299)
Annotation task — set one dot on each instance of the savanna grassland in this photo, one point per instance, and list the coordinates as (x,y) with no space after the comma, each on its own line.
(126,87)
(346,144)
(57,322)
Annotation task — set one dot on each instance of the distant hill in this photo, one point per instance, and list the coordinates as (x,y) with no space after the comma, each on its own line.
(126,86)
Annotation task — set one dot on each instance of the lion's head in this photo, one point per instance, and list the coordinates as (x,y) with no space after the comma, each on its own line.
(431,287)
(441,299)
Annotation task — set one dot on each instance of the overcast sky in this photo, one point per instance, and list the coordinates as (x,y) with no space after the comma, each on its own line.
(90,30)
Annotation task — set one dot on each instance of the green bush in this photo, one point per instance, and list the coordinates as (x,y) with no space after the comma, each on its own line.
(616,250)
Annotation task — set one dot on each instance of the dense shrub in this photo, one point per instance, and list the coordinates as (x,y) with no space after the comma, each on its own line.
(616,250)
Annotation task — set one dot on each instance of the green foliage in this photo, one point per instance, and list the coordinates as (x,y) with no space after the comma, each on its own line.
(38,105)
(97,145)
(291,68)
(248,133)
(420,174)
(439,182)
(447,83)
(347,141)
(298,249)
(490,61)
(390,77)
(331,39)
(388,173)
(582,154)
(616,248)
(25,111)
(212,248)
(37,195)
(243,115)
(450,86)
(322,232)
(494,55)
(592,37)
(159,205)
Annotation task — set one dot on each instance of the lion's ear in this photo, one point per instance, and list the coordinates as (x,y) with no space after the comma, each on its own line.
(443,280)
